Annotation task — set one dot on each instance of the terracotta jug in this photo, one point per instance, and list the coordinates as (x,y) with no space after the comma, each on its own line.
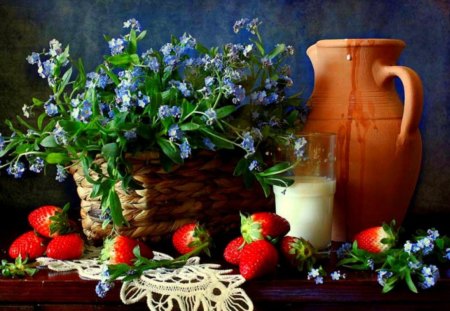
(379,145)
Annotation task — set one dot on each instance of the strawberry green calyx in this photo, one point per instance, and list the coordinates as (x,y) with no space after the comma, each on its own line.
(298,252)
(120,249)
(59,223)
(107,250)
(391,235)
(189,237)
(19,268)
(201,240)
(251,230)
(264,226)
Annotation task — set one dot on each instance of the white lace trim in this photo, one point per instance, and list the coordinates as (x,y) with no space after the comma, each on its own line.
(194,286)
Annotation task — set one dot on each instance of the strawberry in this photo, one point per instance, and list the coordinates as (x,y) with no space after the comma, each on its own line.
(257,259)
(298,252)
(233,250)
(28,245)
(50,221)
(189,237)
(376,239)
(263,225)
(65,247)
(120,249)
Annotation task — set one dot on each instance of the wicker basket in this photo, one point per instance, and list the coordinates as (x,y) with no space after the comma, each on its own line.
(202,189)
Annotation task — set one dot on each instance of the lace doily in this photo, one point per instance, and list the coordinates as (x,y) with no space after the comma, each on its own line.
(194,286)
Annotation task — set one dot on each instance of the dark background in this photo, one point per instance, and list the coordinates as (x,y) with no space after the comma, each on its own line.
(28,25)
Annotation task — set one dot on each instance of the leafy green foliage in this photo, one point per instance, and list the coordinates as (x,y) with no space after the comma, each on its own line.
(19,268)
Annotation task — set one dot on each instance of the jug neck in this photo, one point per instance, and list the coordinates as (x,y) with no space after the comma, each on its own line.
(347,65)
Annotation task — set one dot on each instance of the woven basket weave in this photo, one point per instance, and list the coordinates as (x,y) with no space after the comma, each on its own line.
(202,189)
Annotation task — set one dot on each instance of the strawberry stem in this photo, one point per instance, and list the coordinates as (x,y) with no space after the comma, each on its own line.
(143,264)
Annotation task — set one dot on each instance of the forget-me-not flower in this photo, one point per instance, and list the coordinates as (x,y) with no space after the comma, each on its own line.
(248,144)
(61,173)
(17,169)
(37,165)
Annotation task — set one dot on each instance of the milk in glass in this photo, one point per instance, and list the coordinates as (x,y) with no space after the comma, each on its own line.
(308,206)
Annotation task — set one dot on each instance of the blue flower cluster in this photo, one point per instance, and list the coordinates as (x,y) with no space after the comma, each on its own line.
(428,276)
(316,274)
(383,276)
(48,62)
(104,285)
(424,245)
(17,169)
(173,99)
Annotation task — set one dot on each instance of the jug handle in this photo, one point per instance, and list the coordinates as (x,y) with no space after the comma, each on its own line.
(413,89)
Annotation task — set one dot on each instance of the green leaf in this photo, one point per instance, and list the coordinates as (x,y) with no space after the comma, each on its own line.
(37,102)
(440,243)
(56,158)
(9,147)
(96,190)
(49,142)
(116,208)
(132,42)
(70,127)
(241,167)
(225,111)
(86,164)
(50,126)
(23,148)
(259,46)
(186,109)
(141,35)
(65,80)
(276,169)
(110,150)
(40,120)
(201,49)
(410,282)
(282,182)
(169,149)
(191,126)
(134,59)
(264,186)
(277,50)
(292,117)
(123,60)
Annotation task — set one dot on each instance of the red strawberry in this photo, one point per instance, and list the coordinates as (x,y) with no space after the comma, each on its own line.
(28,245)
(120,250)
(65,247)
(233,250)
(49,220)
(258,258)
(376,239)
(263,225)
(189,237)
(298,252)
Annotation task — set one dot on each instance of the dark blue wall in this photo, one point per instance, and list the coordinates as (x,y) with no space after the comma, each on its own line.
(28,25)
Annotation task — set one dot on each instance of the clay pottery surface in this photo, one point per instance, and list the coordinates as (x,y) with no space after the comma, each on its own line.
(379,146)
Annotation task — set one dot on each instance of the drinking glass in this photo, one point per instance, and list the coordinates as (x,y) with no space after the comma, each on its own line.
(308,203)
